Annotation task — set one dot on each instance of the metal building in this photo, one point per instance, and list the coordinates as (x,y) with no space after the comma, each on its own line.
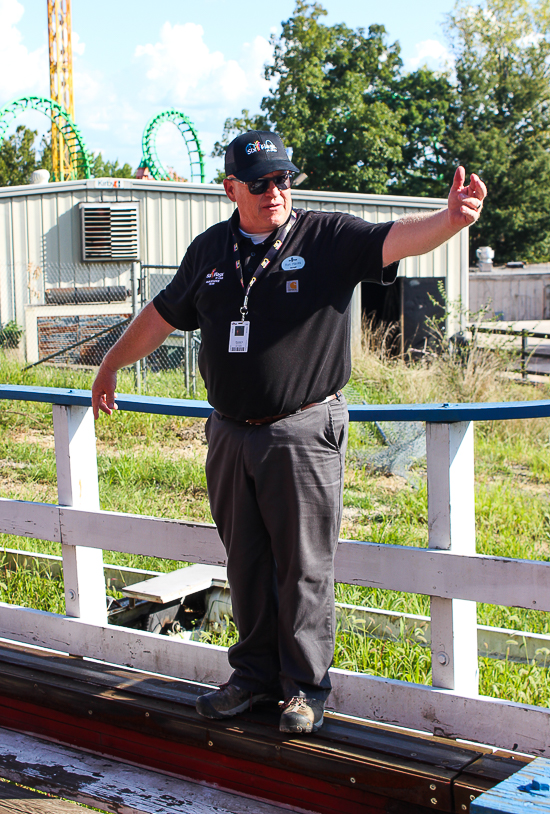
(512,294)
(86,234)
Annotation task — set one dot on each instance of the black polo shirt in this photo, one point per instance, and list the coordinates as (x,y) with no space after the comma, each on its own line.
(299,310)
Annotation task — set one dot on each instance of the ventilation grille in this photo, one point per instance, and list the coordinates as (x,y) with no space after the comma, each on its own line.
(110,231)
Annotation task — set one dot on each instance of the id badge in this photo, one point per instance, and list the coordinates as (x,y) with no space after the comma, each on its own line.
(238,337)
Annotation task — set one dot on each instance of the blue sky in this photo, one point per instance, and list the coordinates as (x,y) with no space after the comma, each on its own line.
(134,59)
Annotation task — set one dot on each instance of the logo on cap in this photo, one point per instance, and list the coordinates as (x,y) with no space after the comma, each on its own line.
(257,146)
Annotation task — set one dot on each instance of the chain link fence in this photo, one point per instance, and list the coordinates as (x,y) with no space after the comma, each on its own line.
(74,313)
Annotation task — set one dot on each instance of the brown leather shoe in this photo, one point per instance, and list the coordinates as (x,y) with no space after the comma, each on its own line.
(301,715)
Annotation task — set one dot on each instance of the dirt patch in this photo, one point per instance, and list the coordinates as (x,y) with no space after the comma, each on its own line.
(524,479)
(15,490)
(34,437)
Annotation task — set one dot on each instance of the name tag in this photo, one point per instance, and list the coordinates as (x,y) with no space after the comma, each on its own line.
(293,263)
(238,337)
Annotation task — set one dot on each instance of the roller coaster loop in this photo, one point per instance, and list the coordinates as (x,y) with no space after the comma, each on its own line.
(80,158)
(187,129)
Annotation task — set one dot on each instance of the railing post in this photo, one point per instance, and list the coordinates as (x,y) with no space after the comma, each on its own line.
(76,461)
(451,523)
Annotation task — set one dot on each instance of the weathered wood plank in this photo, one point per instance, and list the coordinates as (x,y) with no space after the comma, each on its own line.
(495,580)
(483,774)
(177,539)
(451,527)
(110,785)
(29,519)
(77,485)
(17,800)
(526,791)
(179,583)
(476,577)
(358,412)
(444,713)
(492,642)
(166,655)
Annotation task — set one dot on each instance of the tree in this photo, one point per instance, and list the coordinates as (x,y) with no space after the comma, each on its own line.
(354,121)
(424,99)
(18,157)
(110,169)
(329,101)
(501,120)
(231,129)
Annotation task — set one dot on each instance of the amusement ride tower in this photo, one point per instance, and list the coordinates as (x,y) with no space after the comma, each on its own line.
(61,84)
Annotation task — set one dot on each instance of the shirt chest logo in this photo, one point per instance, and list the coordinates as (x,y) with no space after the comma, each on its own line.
(291,286)
(293,263)
(214,277)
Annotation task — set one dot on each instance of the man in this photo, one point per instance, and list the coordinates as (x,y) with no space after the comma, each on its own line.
(270,290)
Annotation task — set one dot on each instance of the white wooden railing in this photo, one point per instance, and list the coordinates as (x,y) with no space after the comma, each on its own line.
(449,571)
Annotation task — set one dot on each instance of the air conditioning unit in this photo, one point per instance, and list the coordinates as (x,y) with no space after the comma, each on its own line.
(110,231)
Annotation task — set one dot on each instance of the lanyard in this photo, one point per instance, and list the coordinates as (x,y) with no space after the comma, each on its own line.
(270,254)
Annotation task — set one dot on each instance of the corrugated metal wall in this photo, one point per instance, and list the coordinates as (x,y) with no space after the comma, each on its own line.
(40,235)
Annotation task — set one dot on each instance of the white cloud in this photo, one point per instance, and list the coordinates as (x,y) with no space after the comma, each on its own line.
(431,53)
(22,72)
(77,45)
(176,68)
(181,70)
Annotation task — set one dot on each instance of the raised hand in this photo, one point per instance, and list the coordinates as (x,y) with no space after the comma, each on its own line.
(465,202)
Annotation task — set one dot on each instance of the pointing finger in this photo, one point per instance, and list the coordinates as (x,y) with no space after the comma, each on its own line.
(459,178)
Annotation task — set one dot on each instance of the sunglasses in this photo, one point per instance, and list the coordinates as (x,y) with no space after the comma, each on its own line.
(261,185)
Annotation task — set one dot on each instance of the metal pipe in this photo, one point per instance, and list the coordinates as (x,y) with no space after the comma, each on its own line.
(186,354)
(136,277)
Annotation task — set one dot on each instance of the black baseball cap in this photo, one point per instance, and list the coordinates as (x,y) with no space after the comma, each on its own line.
(256,153)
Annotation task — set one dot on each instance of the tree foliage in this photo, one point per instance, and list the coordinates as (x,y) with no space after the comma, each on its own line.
(110,169)
(340,99)
(18,157)
(358,123)
(331,103)
(501,120)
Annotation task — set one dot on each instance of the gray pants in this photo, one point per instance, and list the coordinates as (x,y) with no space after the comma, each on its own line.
(276,497)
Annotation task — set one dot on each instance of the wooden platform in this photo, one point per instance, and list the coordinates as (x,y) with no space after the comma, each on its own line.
(17,800)
(103,783)
(150,721)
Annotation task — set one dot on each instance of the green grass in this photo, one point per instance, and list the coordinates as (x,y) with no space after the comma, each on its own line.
(154,465)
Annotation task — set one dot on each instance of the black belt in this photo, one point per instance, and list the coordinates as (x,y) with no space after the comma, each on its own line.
(270,419)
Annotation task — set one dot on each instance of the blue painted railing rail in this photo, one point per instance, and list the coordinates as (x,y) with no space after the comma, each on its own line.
(432,413)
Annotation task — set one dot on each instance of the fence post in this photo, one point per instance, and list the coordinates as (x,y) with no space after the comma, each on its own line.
(186,344)
(524,354)
(76,462)
(136,279)
(451,524)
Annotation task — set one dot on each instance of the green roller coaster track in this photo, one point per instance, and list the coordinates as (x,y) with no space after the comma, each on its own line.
(80,158)
(187,129)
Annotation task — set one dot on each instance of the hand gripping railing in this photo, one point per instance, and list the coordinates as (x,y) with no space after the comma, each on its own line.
(449,571)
